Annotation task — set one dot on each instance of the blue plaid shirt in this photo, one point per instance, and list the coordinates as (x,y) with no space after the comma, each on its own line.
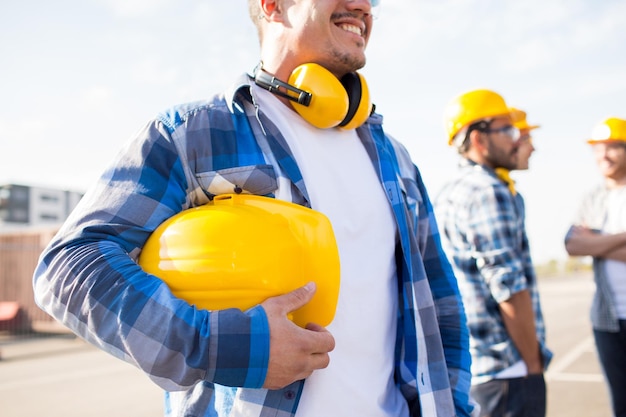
(485,238)
(88,278)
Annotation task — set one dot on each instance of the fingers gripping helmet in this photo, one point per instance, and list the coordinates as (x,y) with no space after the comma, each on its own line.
(470,107)
(239,250)
(609,129)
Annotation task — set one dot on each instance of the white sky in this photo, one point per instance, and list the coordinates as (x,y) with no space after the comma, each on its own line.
(78,78)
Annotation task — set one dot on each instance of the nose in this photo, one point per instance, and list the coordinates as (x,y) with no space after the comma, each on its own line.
(600,150)
(363,5)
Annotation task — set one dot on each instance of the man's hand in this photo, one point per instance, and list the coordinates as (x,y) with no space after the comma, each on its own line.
(294,352)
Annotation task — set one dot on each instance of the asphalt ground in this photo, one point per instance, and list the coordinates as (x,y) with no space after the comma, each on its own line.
(58,375)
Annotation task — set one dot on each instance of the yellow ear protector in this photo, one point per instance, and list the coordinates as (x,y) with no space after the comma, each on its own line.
(319,97)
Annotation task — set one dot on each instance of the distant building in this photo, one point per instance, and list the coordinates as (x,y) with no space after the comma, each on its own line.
(29,218)
(22,205)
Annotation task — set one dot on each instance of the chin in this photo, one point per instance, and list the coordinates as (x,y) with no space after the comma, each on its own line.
(345,63)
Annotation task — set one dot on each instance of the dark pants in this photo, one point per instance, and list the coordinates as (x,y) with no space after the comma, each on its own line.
(612,353)
(516,397)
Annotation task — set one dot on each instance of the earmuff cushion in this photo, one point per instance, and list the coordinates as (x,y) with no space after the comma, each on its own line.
(352,83)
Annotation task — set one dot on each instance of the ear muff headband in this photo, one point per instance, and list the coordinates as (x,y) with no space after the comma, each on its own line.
(274,85)
(320,98)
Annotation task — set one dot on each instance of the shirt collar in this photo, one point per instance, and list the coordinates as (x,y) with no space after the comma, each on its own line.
(500,173)
(469,164)
(238,91)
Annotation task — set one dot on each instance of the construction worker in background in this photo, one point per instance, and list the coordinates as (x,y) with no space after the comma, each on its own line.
(301,128)
(599,230)
(525,148)
(483,233)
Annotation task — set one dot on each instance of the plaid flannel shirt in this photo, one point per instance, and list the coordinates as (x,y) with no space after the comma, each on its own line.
(88,279)
(486,242)
(592,213)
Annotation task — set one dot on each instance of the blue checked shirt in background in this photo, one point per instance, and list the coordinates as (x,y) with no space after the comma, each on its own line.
(485,239)
(214,363)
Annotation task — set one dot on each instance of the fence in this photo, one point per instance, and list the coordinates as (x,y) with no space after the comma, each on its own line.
(19,253)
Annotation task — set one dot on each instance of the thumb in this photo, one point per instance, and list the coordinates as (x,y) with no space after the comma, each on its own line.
(298,297)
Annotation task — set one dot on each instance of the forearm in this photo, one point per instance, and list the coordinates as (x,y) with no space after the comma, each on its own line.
(584,242)
(114,305)
(618,254)
(519,320)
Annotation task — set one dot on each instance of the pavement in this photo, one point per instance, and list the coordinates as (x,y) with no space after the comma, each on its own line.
(58,375)
(576,386)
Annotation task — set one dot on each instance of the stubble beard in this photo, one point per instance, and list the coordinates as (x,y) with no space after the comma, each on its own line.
(344,63)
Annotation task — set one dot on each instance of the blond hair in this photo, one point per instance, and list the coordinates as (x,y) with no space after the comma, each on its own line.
(256,14)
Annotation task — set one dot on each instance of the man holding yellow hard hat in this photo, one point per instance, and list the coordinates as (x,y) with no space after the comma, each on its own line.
(299,128)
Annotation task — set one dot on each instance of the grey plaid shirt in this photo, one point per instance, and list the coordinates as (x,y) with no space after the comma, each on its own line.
(592,214)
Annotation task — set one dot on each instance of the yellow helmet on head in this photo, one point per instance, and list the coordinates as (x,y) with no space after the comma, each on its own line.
(611,128)
(239,250)
(519,120)
(473,106)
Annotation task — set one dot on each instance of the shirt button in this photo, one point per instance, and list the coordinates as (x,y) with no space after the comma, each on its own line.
(290,394)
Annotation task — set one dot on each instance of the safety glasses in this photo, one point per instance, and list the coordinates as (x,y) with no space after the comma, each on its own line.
(508,130)
(375,8)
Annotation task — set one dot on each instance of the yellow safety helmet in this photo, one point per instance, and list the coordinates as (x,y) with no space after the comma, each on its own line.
(239,250)
(472,106)
(611,128)
(519,120)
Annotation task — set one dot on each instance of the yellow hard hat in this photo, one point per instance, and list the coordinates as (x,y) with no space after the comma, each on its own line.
(239,250)
(473,106)
(519,120)
(611,128)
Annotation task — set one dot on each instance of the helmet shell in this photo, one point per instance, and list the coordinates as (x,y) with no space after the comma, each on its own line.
(519,120)
(239,250)
(611,128)
(473,106)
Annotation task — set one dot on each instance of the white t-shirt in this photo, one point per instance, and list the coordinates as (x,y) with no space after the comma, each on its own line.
(615,222)
(342,183)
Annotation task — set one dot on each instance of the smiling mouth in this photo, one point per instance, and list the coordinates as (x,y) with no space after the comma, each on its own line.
(351,28)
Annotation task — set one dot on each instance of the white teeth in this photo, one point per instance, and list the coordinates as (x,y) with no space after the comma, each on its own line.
(351,28)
